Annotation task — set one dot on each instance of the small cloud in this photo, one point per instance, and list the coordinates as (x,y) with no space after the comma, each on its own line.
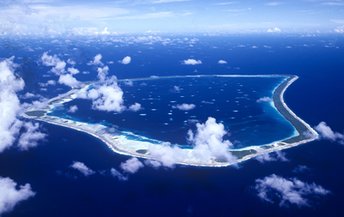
(176,89)
(274,30)
(73,70)
(339,29)
(107,96)
(30,137)
(55,62)
(11,195)
(300,169)
(222,62)
(102,72)
(153,163)
(132,165)
(264,99)
(97,60)
(192,62)
(82,168)
(185,107)
(68,80)
(327,133)
(275,3)
(126,60)
(269,157)
(73,109)
(28,95)
(274,188)
(135,107)
(115,173)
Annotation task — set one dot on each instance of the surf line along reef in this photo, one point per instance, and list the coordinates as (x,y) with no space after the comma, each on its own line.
(127,143)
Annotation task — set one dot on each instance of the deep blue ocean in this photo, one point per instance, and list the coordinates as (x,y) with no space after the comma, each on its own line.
(182,191)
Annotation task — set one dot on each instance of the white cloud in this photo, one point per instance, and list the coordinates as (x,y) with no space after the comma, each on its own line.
(339,29)
(31,136)
(115,173)
(59,68)
(275,156)
(264,99)
(9,104)
(208,140)
(208,145)
(287,191)
(73,109)
(192,62)
(97,60)
(132,165)
(107,96)
(221,62)
(185,106)
(55,62)
(274,30)
(102,72)
(153,163)
(177,89)
(11,195)
(126,60)
(68,80)
(135,107)
(82,168)
(73,70)
(327,133)
(28,95)
(275,3)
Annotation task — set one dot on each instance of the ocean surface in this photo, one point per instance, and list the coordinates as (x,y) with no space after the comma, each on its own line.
(183,191)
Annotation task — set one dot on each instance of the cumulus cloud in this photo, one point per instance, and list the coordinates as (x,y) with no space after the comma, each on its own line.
(73,70)
(135,107)
(274,30)
(132,165)
(208,145)
(68,80)
(274,188)
(126,60)
(102,72)
(97,60)
(327,133)
(192,62)
(106,96)
(59,68)
(208,140)
(275,156)
(264,99)
(73,109)
(185,106)
(115,173)
(55,62)
(11,195)
(9,104)
(82,168)
(221,62)
(31,136)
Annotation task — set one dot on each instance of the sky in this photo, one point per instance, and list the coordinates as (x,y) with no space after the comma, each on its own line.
(169,16)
